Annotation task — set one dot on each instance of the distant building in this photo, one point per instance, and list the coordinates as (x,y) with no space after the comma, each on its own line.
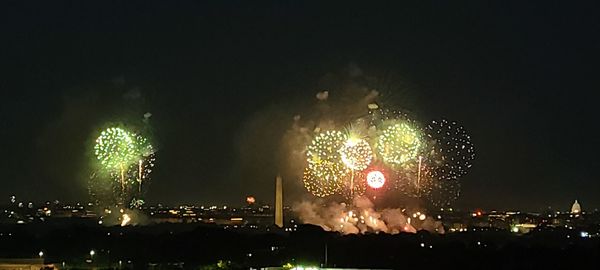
(24,264)
(278,202)
(576,208)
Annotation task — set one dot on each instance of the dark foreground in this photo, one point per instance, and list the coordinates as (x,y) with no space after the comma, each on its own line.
(191,246)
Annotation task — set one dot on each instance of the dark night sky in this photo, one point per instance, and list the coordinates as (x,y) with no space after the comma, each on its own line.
(521,77)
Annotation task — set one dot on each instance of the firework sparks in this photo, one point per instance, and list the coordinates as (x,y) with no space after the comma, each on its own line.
(127,158)
(115,149)
(356,154)
(452,146)
(444,192)
(399,143)
(325,172)
(146,158)
(125,219)
(359,216)
(318,186)
(425,163)
(354,185)
(451,156)
(375,179)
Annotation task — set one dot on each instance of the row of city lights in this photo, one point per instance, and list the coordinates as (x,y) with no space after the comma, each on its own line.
(92,253)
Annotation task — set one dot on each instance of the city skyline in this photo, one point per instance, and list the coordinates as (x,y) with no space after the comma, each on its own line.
(299,135)
(270,202)
(516,78)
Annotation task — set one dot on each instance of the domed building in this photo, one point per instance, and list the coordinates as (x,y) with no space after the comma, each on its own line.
(576,208)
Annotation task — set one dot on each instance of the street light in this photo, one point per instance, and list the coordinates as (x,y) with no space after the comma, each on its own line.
(41,254)
(92,253)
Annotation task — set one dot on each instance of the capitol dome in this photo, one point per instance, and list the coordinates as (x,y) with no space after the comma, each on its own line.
(576,208)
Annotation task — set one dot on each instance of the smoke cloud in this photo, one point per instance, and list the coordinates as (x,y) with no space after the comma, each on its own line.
(361,217)
(123,217)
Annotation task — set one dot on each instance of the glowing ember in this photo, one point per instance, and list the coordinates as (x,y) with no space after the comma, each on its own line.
(125,220)
(375,179)
(250,200)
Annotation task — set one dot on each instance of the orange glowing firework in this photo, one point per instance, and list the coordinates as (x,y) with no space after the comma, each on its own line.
(375,179)
(250,200)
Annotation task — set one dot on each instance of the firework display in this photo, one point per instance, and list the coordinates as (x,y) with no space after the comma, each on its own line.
(326,171)
(444,192)
(125,162)
(452,145)
(115,149)
(321,187)
(375,179)
(452,153)
(399,144)
(419,162)
(356,154)
(354,185)
(142,168)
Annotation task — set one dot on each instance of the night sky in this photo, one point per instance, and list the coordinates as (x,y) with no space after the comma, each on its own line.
(521,77)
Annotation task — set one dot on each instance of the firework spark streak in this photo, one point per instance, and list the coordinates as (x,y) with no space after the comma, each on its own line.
(145,153)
